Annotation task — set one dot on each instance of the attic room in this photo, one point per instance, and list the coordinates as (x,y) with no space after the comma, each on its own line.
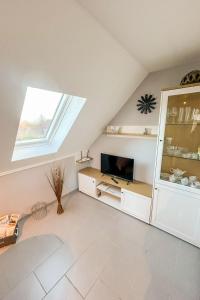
(100,150)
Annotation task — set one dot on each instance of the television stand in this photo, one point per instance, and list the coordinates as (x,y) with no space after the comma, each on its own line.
(133,198)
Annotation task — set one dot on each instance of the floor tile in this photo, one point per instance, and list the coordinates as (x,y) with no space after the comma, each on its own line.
(28,289)
(106,251)
(118,275)
(86,270)
(55,266)
(24,257)
(128,228)
(101,292)
(63,291)
(179,294)
(4,287)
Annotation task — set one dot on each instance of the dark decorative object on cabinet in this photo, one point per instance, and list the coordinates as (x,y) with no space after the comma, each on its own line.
(191,77)
(146,104)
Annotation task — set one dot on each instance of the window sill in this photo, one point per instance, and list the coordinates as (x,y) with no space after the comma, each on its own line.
(25,152)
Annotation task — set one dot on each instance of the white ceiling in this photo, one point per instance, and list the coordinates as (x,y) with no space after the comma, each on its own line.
(160,34)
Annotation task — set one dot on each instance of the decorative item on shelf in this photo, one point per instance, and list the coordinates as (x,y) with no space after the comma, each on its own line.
(192,179)
(172,114)
(184,181)
(191,77)
(39,210)
(84,158)
(173,178)
(147,131)
(196,184)
(56,181)
(113,129)
(120,129)
(177,172)
(177,176)
(146,104)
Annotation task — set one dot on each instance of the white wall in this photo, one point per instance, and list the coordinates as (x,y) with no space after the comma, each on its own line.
(59,46)
(153,83)
(20,190)
(143,151)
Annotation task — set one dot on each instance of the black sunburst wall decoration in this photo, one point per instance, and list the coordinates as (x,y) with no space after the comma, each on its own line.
(146,104)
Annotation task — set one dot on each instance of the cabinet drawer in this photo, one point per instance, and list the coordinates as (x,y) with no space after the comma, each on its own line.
(136,205)
(87,184)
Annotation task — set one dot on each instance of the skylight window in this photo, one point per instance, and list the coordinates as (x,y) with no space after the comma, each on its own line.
(46,119)
(39,110)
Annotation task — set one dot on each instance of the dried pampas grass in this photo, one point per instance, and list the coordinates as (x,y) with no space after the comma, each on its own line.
(56,181)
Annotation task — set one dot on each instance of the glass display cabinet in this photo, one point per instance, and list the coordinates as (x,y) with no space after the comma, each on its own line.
(181,150)
(176,201)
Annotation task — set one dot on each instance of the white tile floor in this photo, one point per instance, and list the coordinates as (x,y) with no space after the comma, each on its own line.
(105,255)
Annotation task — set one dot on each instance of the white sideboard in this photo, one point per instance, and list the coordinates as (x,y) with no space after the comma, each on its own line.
(133,198)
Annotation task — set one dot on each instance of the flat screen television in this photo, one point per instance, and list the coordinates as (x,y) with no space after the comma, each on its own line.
(121,167)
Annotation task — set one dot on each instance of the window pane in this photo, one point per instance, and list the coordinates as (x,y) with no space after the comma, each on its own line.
(38,112)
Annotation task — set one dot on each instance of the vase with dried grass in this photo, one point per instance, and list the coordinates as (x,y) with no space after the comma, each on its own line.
(56,181)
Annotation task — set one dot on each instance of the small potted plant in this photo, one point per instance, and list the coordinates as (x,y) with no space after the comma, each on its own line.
(56,181)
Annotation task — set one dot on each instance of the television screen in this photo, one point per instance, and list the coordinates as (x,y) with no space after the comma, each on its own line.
(121,167)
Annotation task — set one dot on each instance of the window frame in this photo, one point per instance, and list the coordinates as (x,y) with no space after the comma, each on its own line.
(65,116)
(60,111)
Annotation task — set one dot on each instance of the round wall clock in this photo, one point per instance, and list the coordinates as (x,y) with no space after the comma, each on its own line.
(146,104)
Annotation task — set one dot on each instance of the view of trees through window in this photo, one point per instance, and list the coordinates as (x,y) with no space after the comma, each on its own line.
(38,113)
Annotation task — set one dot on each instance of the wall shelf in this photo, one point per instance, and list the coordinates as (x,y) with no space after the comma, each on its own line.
(132,132)
(83,160)
(132,135)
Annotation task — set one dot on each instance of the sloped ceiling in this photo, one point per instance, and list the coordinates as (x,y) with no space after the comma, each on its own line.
(58,45)
(160,34)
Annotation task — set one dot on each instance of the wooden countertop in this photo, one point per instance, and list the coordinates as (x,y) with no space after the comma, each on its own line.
(138,187)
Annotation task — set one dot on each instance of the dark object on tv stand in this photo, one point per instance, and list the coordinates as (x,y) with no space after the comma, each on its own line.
(114,180)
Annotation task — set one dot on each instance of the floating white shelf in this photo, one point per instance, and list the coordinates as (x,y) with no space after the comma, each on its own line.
(132,132)
(132,135)
(83,160)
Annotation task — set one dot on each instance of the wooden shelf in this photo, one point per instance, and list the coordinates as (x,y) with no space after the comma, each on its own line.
(132,135)
(138,187)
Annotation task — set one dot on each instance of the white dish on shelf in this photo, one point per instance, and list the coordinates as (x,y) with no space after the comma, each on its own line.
(184,181)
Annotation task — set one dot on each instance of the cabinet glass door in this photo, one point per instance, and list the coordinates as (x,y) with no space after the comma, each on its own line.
(181,151)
